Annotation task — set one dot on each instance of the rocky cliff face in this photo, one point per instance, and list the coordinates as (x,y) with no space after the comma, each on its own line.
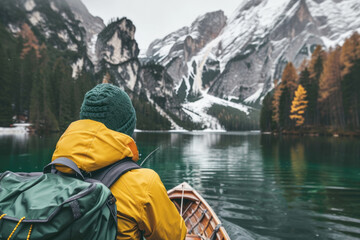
(177,49)
(248,73)
(92,26)
(118,51)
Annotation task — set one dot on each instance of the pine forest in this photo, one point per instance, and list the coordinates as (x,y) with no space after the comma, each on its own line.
(37,84)
(321,97)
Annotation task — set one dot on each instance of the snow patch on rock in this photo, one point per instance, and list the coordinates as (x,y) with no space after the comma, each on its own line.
(35,18)
(65,16)
(29,5)
(92,44)
(77,67)
(14,28)
(53,6)
(340,16)
(115,56)
(48,34)
(78,37)
(340,39)
(72,47)
(198,110)
(63,35)
(132,73)
(256,95)
(249,25)
(174,126)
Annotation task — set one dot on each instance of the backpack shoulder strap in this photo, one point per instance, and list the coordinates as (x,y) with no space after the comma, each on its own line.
(110,174)
(66,162)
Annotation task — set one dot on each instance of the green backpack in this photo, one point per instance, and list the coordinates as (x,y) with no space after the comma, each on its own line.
(57,206)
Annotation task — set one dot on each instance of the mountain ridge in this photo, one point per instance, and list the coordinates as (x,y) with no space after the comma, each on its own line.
(218,66)
(256,22)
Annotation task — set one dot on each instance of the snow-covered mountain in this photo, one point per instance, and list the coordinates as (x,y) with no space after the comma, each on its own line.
(247,52)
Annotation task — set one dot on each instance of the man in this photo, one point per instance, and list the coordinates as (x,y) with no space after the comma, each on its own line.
(102,137)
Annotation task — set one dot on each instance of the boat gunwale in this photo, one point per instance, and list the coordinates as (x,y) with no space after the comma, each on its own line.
(177,193)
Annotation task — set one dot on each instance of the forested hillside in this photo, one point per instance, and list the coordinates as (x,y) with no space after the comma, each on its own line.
(36,82)
(323,96)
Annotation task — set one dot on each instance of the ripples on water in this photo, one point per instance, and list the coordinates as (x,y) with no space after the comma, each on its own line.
(268,188)
(261,187)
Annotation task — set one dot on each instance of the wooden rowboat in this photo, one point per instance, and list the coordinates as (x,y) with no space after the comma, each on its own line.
(201,221)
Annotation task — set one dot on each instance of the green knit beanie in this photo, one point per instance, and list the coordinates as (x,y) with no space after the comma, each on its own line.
(110,105)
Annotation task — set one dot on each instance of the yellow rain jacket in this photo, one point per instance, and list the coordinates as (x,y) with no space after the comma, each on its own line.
(142,201)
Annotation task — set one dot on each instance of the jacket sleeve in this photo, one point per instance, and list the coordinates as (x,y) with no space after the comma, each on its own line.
(160,218)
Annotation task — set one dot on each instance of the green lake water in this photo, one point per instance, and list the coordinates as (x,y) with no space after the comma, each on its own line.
(261,187)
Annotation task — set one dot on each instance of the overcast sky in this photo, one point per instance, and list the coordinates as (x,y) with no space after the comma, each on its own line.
(156,18)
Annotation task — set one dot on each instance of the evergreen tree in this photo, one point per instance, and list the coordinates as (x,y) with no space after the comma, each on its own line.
(83,83)
(266,123)
(312,87)
(289,78)
(16,79)
(289,81)
(330,96)
(29,51)
(40,111)
(28,70)
(6,112)
(64,93)
(298,106)
(275,103)
(35,102)
(304,80)
(350,61)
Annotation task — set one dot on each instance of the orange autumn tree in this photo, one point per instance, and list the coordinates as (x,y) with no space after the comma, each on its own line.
(106,78)
(298,106)
(30,42)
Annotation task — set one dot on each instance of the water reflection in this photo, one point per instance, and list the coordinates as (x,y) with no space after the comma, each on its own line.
(220,166)
(24,152)
(262,187)
(316,176)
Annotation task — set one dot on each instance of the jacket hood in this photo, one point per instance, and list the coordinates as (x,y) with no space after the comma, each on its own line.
(91,145)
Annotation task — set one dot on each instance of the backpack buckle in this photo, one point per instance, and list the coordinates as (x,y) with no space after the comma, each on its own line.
(112,199)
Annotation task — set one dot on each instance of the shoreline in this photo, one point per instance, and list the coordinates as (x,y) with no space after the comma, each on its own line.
(313,133)
(17,128)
